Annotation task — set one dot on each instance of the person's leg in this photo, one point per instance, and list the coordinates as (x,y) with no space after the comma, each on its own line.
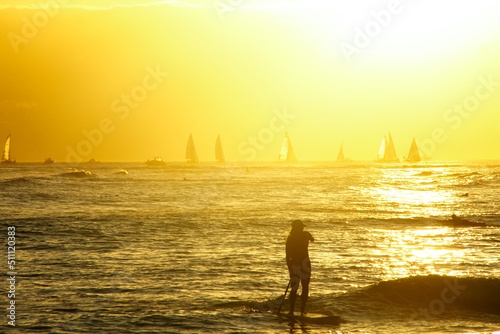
(305,295)
(294,282)
(305,278)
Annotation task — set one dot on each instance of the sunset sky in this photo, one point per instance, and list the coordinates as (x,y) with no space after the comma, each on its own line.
(123,80)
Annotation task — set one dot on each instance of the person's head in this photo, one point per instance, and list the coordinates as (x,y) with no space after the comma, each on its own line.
(297,225)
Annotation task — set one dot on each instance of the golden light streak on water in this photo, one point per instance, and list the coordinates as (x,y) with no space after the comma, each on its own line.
(422,251)
(399,191)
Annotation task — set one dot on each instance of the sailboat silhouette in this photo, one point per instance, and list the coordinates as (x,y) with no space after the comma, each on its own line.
(387,151)
(219,153)
(191,155)
(413,155)
(340,156)
(6,152)
(287,153)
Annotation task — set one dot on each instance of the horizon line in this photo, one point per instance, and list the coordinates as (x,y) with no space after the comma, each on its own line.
(264,161)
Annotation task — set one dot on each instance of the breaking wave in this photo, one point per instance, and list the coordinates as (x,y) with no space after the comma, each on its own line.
(439,295)
(78,173)
(467,293)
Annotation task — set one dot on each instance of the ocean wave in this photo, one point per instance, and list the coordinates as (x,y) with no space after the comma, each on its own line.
(462,175)
(104,290)
(20,181)
(66,310)
(121,172)
(425,173)
(435,294)
(432,292)
(180,322)
(398,222)
(77,173)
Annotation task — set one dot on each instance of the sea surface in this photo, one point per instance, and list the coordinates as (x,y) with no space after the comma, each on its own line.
(200,248)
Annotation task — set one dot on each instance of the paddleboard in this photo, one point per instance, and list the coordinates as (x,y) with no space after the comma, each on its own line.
(313,318)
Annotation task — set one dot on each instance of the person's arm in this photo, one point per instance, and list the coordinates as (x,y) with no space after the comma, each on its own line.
(310,237)
(288,255)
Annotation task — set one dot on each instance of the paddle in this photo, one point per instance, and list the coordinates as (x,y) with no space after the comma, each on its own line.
(284,296)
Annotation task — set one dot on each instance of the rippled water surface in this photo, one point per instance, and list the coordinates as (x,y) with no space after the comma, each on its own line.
(200,248)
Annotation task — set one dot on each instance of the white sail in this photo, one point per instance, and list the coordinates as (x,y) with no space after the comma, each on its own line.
(391,150)
(381,151)
(191,155)
(219,153)
(287,153)
(6,150)
(341,157)
(414,155)
(387,151)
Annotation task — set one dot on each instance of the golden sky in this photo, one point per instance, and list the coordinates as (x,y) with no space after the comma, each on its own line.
(128,80)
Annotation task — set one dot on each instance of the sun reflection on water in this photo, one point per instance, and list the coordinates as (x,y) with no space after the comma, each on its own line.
(421,252)
(398,193)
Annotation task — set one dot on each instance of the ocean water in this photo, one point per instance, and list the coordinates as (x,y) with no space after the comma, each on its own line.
(200,248)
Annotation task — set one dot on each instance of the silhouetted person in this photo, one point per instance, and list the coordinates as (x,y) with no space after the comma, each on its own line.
(299,265)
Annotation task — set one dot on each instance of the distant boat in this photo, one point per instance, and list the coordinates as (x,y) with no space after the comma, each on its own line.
(191,155)
(413,155)
(287,154)
(387,151)
(219,153)
(49,161)
(6,153)
(157,161)
(340,157)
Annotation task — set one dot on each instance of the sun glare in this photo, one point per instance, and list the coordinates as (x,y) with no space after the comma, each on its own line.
(405,31)
(423,252)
